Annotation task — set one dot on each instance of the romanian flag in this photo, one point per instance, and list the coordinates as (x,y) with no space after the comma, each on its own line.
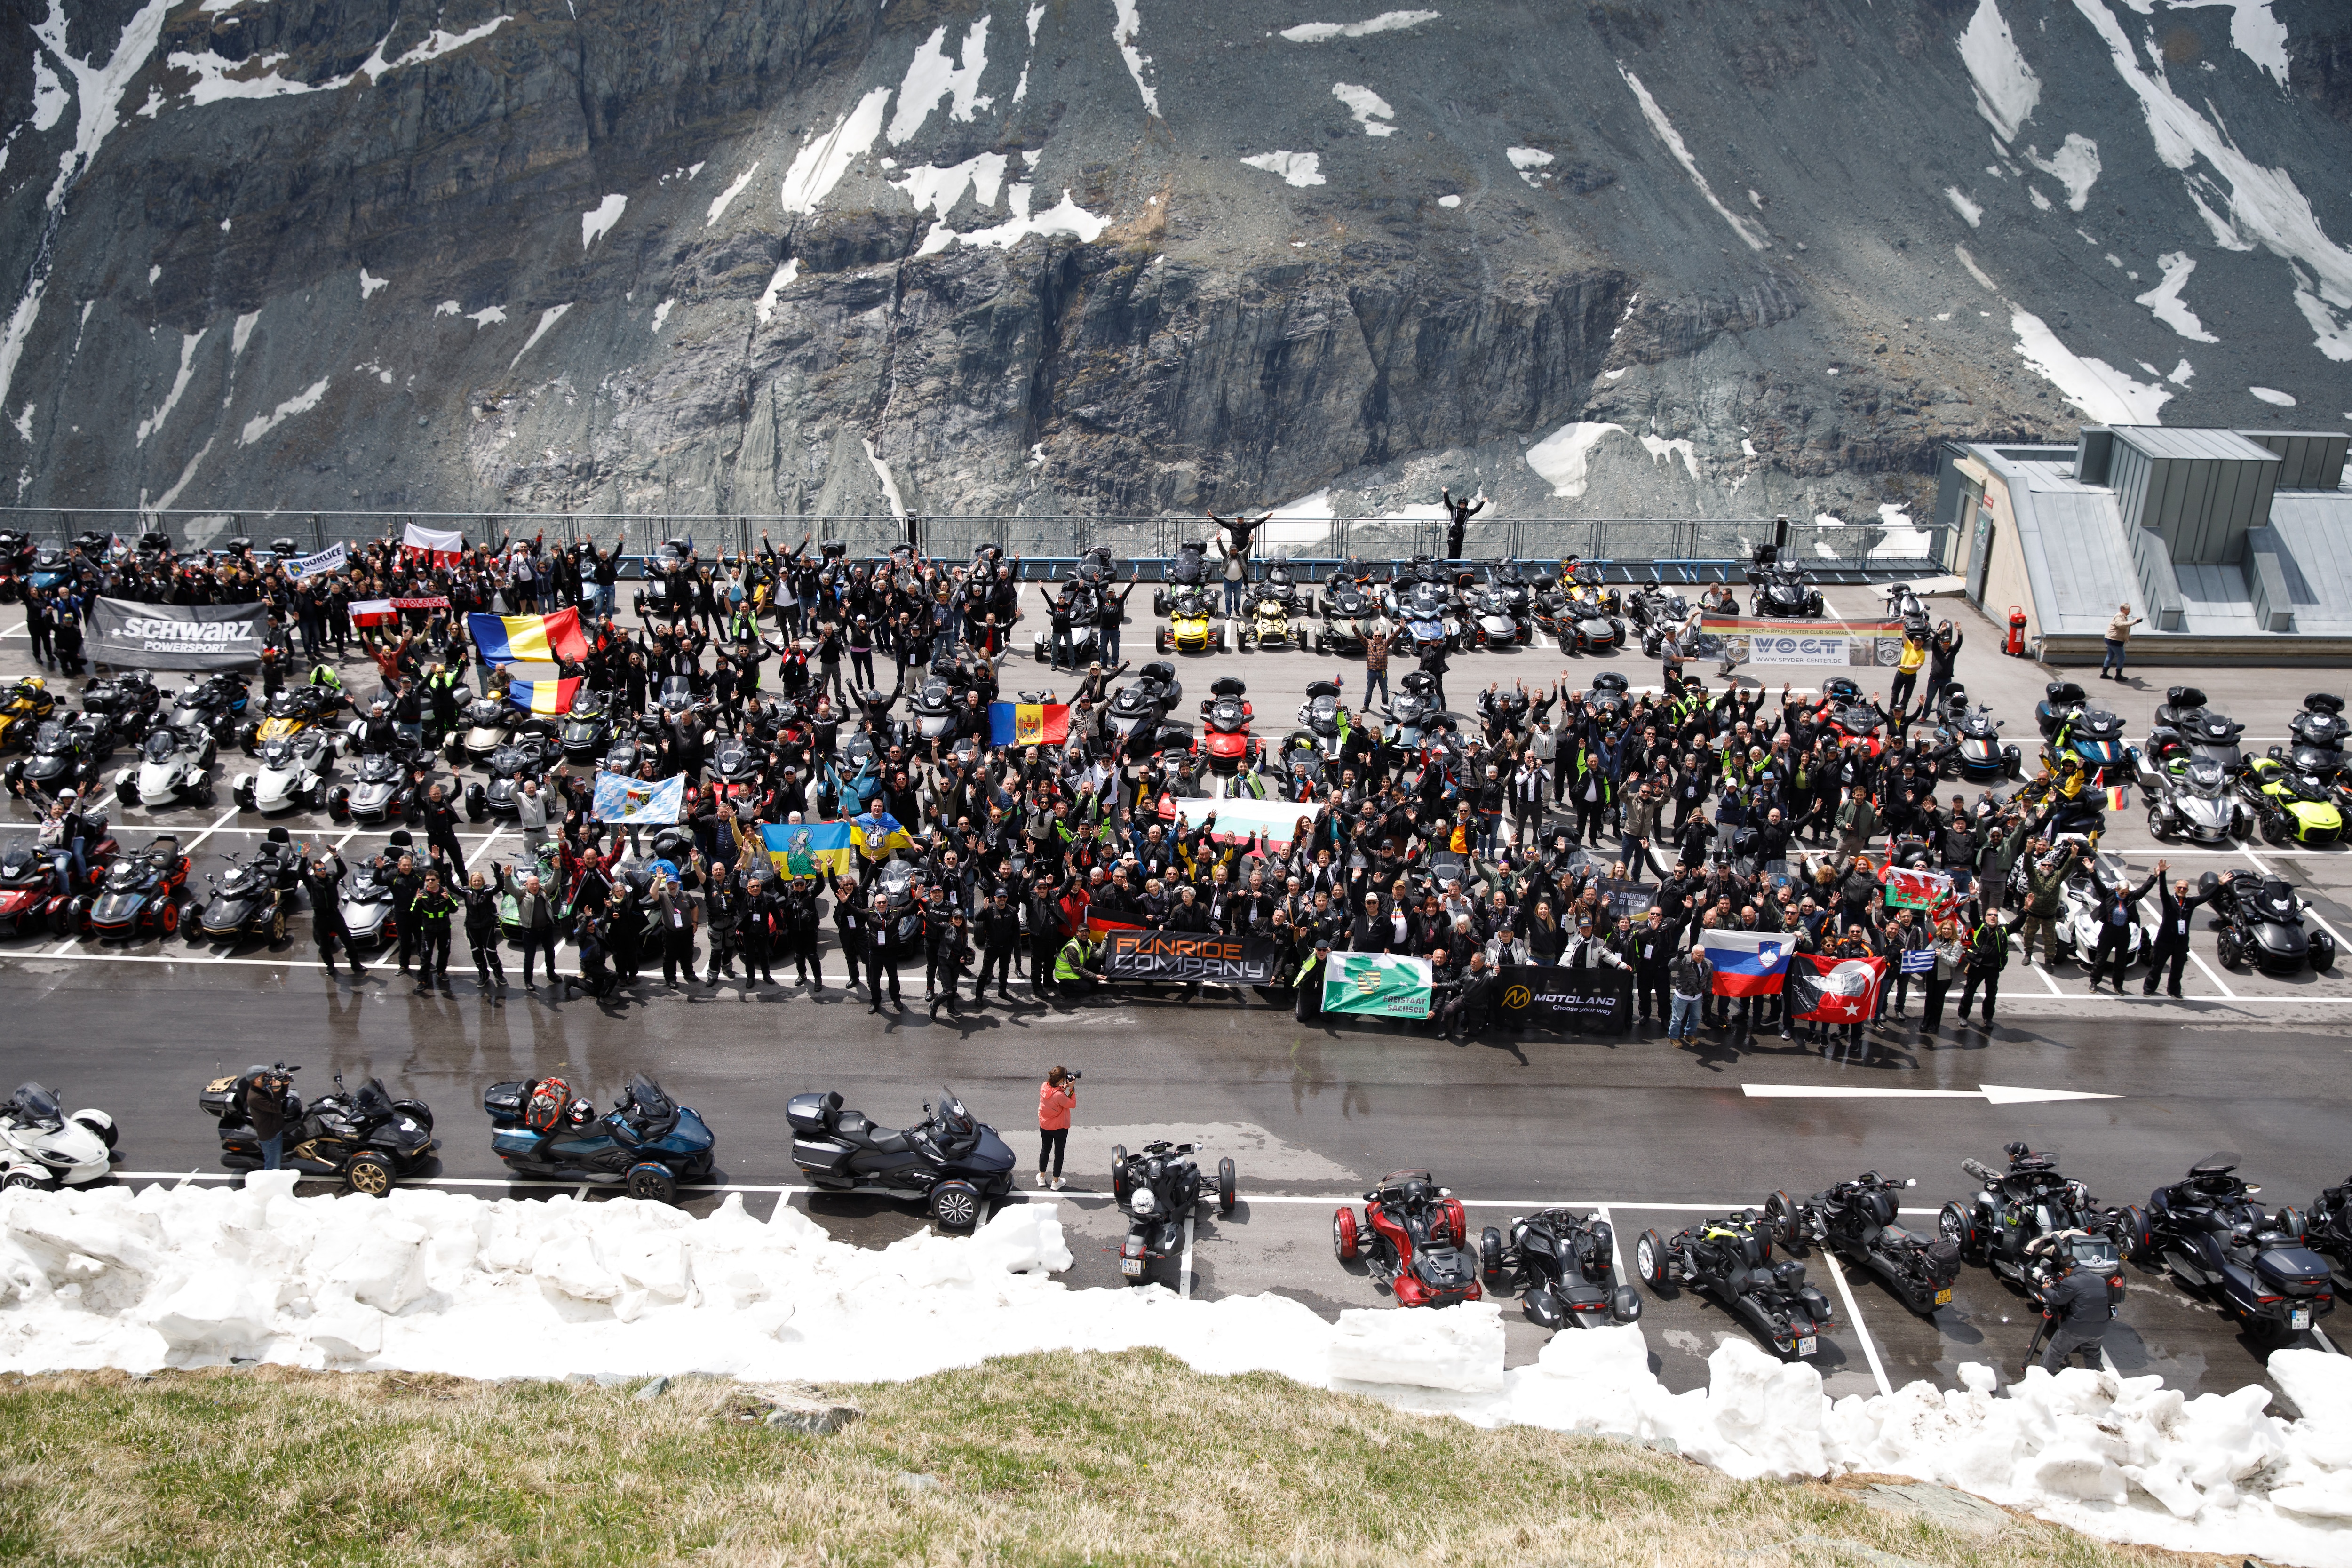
(529,640)
(879,833)
(543,695)
(1028,723)
(810,848)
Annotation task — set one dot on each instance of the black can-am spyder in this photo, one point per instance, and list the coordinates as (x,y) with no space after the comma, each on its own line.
(1731,1259)
(1563,1266)
(2208,1231)
(949,1161)
(363,1135)
(1855,1220)
(1158,1190)
(2012,1209)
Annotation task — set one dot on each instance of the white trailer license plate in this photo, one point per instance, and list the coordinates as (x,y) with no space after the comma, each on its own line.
(1130,1266)
(1808,1345)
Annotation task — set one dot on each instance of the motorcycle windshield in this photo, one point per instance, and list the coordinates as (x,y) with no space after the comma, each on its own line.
(37,1106)
(159,745)
(370,1101)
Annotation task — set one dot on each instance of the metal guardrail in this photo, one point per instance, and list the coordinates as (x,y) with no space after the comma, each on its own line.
(1673,548)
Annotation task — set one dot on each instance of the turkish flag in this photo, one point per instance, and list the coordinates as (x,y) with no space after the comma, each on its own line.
(1832,990)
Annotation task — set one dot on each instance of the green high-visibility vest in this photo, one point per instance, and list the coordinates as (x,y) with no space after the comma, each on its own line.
(1070,963)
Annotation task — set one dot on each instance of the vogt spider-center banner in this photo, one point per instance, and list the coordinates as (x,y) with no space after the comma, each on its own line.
(127,636)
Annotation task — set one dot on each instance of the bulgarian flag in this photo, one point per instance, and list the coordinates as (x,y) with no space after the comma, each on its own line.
(1028,723)
(548,697)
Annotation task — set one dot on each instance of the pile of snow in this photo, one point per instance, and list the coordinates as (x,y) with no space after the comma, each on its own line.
(439,1281)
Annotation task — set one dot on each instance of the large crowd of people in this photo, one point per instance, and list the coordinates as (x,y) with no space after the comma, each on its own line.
(1514,841)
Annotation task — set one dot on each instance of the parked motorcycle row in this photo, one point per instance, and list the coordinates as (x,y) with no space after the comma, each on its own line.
(2027,1224)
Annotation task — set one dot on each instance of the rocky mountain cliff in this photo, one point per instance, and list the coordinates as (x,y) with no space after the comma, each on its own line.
(1688,257)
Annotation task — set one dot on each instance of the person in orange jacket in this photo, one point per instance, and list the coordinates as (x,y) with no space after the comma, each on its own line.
(1057,1096)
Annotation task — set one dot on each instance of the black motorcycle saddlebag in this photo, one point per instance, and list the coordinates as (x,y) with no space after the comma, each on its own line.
(2293,1270)
(502,1102)
(807,1112)
(814,1155)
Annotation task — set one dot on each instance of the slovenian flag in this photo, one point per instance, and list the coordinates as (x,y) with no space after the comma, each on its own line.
(1747,963)
(529,639)
(809,849)
(879,833)
(1028,723)
(543,695)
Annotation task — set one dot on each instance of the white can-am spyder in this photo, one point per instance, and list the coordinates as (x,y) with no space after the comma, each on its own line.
(41,1146)
(174,766)
(2078,918)
(293,773)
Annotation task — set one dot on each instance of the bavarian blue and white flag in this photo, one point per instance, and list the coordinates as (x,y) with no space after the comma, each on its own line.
(630,802)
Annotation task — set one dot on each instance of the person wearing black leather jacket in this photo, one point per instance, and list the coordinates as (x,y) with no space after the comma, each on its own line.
(481,902)
(322,884)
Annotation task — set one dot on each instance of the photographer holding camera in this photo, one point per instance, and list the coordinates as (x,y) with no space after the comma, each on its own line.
(1057,1096)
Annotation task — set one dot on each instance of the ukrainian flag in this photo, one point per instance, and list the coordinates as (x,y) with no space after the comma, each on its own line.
(529,640)
(809,849)
(879,833)
(1028,723)
(548,697)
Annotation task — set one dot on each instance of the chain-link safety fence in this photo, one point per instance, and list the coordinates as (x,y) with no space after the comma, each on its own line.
(1628,548)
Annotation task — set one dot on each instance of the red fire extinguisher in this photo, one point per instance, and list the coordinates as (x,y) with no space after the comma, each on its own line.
(2015,645)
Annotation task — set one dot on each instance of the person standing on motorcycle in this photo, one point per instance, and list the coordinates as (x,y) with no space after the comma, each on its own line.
(439,820)
(1943,652)
(1109,618)
(482,930)
(322,879)
(265,1111)
(432,908)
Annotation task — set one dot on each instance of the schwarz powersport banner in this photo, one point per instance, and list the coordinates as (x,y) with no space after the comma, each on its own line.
(1834,644)
(176,637)
(1179,955)
(1549,996)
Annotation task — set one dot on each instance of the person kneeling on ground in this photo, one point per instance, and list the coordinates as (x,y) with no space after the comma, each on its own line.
(1073,970)
(1472,1008)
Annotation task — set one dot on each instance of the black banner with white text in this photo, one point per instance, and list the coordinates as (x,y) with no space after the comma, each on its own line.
(1190,956)
(1552,996)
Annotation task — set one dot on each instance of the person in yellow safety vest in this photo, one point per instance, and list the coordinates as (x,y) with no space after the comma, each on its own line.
(1073,970)
(1907,674)
(325,677)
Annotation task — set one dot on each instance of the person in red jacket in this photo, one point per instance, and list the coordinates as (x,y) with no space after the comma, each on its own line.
(1055,1098)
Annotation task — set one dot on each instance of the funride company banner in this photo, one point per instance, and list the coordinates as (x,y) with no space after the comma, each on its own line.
(1176,955)
(127,636)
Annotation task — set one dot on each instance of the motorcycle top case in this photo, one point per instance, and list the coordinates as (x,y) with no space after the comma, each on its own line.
(219,1098)
(806,1113)
(503,1102)
(2296,1268)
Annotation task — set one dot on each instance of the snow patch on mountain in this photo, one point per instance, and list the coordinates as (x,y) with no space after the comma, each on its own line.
(1368,108)
(261,425)
(1562,458)
(932,77)
(2007,90)
(720,203)
(547,319)
(1130,25)
(1386,21)
(2164,302)
(823,160)
(2103,393)
(1754,234)
(2074,166)
(1295,168)
(595,224)
(765,310)
(179,384)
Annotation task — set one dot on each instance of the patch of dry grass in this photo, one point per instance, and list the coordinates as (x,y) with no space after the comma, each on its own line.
(1056,1459)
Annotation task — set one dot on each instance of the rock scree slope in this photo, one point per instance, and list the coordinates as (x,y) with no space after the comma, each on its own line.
(1122,257)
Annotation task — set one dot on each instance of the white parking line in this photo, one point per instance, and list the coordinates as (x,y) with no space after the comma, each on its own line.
(2044,975)
(1862,1329)
(2316,915)
(1184,1276)
(225,819)
(2207,971)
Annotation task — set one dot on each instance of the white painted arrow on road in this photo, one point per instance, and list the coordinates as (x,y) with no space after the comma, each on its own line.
(1991,1093)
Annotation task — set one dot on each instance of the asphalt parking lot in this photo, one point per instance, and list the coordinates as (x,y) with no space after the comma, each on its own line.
(1658,1135)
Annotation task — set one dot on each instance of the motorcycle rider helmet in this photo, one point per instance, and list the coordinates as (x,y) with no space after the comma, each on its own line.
(578,1113)
(1415,1194)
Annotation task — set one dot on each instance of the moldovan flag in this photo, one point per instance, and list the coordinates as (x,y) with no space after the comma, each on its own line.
(1747,962)
(1028,723)
(1834,990)
(542,696)
(879,833)
(443,544)
(529,639)
(625,800)
(809,849)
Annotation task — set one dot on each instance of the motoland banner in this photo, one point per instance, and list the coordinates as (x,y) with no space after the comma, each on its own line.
(1190,956)
(127,636)
(1552,996)
(1383,985)
(1874,644)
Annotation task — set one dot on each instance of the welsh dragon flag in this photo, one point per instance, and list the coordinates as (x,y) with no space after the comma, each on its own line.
(1909,889)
